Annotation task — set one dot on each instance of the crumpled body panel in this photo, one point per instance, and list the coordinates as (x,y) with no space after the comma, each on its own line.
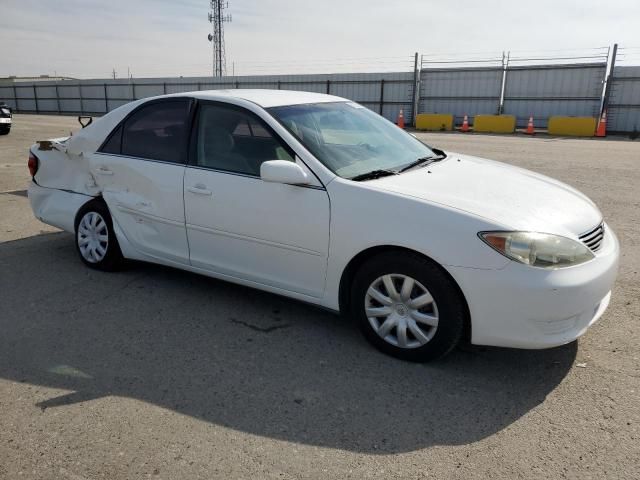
(64,162)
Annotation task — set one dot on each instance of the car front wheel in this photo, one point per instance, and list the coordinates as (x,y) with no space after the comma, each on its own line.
(96,241)
(408,307)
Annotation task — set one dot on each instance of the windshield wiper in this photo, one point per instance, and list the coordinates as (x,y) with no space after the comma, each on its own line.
(439,155)
(417,162)
(372,175)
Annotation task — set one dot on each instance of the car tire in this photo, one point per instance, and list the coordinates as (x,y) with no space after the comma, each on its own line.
(400,320)
(95,238)
(5,131)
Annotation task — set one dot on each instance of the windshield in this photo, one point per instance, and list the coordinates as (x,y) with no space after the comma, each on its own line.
(350,139)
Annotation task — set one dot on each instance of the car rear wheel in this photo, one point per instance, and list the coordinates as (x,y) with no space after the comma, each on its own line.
(408,307)
(4,130)
(96,241)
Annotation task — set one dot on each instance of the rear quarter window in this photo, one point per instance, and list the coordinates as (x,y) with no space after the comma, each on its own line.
(156,131)
(114,142)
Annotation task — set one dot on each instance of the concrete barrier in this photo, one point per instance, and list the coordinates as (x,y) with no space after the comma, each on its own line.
(572,126)
(441,122)
(494,123)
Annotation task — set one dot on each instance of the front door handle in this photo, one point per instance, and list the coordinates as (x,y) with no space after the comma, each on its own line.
(104,171)
(199,189)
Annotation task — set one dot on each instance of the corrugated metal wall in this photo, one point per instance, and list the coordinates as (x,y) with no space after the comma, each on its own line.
(460,91)
(546,90)
(538,90)
(624,100)
(384,93)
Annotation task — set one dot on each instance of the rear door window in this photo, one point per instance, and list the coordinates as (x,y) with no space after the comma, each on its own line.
(114,143)
(158,131)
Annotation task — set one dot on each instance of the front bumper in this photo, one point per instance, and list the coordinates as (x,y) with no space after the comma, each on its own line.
(525,307)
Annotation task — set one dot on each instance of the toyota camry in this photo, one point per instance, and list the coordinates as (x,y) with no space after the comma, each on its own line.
(317,198)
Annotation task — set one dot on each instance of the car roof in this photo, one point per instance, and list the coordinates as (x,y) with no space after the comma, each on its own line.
(89,139)
(265,98)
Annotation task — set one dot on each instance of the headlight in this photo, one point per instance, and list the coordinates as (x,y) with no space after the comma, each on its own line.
(6,111)
(538,249)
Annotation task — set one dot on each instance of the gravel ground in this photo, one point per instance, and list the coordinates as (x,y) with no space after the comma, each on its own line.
(153,372)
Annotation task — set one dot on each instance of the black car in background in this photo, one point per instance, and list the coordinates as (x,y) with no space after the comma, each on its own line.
(5,118)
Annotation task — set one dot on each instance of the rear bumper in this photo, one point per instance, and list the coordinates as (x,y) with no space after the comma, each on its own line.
(524,307)
(56,207)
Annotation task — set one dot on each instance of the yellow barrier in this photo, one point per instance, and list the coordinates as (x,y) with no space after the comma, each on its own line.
(494,123)
(572,126)
(434,121)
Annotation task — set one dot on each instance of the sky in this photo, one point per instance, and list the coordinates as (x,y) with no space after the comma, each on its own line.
(154,38)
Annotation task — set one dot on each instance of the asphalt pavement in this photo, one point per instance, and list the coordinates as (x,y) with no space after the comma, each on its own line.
(156,373)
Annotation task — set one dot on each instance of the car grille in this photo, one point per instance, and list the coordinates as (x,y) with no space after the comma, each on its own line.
(593,238)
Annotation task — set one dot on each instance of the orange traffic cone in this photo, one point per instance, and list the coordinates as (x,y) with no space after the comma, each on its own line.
(465,124)
(601,131)
(400,119)
(530,130)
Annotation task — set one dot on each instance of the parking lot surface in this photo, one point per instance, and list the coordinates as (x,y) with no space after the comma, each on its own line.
(157,373)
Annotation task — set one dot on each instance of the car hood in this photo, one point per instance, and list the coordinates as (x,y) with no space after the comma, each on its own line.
(508,196)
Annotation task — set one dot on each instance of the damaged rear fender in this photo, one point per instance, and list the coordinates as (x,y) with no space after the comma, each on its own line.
(57,208)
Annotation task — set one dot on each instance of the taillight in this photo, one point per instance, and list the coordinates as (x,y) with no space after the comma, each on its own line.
(33,164)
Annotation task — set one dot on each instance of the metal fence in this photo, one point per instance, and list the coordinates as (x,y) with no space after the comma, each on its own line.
(624,100)
(522,86)
(460,91)
(545,90)
(384,93)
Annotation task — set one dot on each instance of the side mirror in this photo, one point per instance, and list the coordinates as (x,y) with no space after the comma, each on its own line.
(283,171)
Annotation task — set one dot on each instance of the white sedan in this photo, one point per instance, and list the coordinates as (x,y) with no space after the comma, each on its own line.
(317,198)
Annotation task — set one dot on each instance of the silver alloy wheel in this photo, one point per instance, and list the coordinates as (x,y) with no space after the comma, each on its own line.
(401,311)
(93,237)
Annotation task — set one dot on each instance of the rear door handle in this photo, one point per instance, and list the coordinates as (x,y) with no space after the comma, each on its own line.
(104,171)
(199,189)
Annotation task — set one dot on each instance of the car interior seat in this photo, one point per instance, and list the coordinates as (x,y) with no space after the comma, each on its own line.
(216,148)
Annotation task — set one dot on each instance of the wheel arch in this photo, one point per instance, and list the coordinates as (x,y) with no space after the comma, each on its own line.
(362,257)
(97,198)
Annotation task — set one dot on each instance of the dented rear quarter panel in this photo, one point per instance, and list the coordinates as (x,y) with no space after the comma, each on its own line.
(56,207)
(57,169)
(63,163)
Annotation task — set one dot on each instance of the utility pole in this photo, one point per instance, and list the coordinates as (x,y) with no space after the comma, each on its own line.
(604,104)
(114,73)
(217,18)
(417,73)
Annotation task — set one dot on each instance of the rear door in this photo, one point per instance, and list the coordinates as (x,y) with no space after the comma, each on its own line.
(140,172)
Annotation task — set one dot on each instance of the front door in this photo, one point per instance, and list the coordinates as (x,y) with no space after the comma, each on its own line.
(240,226)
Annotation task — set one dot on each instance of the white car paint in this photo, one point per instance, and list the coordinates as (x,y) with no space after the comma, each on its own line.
(56,207)
(521,200)
(298,240)
(243,227)
(145,199)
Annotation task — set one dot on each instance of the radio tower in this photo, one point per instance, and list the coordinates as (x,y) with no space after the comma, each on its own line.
(217,18)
